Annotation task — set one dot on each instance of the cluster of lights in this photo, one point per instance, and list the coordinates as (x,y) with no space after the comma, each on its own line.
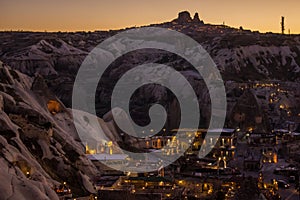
(262,85)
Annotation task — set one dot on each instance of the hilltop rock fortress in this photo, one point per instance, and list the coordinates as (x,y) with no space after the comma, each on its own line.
(185,17)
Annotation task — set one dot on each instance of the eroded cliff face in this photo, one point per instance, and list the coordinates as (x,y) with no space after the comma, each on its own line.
(39,148)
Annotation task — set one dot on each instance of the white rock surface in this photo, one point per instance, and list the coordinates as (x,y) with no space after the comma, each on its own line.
(26,146)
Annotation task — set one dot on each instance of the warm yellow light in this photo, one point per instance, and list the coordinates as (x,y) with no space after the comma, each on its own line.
(109,144)
(275,159)
(92,151)
(53,106)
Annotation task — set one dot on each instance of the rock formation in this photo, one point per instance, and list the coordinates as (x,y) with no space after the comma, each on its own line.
(184,17)
(196,19)
(38,150)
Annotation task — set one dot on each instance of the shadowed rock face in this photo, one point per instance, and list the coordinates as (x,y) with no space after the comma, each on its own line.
(184,17)
(196,18)
(247,113)
(35,141)
(1,103)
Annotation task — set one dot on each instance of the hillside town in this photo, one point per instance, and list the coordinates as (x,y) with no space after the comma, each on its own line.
(256,156)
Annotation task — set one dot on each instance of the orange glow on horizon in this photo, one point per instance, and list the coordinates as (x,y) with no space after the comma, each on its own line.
(90,15)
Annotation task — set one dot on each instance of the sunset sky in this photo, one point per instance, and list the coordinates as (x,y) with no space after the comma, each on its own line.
(75,15)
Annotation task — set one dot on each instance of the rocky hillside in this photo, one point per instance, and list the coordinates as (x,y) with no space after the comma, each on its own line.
(241,55)
(39,147)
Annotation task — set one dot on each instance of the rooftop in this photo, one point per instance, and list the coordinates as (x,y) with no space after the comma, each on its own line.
(107,156)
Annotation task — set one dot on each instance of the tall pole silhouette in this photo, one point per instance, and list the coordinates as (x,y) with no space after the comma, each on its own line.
(282,25)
